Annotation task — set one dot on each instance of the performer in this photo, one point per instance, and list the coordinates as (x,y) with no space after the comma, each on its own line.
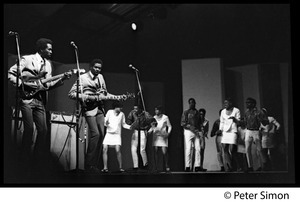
(268,144)
(241,151)
(216,132)
(140,122)
(253,118)
(114,121)
(93,82)
(204,126)
(33,97)
(190,124)
(229,118)
(161,129)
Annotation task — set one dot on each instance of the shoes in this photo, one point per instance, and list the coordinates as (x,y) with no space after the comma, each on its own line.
(121,170)
(258,169)
(187,169)
(203,169)
(249,169)
(104,170)
(92,169)
(239,170)
(222,169)
(200,169)
(135,170)
(145,167)
(229,170)
(168,170)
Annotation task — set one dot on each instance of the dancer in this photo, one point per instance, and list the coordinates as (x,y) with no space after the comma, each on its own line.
(190,124)
(114,121)
(204,126)
(230,116)
(161,128)
(268,144)
(140,122)
(218,133)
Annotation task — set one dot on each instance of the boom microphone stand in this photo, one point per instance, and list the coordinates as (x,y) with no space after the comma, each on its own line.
(144,108)
(139,84)
(16,122)
(77,104)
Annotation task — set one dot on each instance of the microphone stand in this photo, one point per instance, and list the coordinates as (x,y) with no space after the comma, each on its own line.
(77,107)
(144,109)
(140,88)
(16,122)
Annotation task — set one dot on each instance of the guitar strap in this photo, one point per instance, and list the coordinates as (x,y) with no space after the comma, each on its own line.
(43,95)
(100,104)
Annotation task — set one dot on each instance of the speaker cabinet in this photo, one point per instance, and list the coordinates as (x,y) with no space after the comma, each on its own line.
(63,139)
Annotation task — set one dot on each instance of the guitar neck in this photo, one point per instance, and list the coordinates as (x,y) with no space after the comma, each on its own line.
(105,97)
(110,97)
(52,78)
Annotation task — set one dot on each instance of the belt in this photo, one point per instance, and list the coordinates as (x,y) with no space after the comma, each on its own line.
(252,129)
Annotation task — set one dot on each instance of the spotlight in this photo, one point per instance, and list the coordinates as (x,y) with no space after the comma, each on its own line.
(137,26)
(133,26)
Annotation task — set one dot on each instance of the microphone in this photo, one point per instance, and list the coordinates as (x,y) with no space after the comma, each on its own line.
(132,67)
(73,44)
(11,33)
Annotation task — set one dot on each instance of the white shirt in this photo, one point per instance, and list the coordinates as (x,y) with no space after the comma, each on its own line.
(162,123)
(115,122)
(226,123)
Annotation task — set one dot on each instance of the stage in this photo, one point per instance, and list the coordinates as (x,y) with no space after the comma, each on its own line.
(141,178)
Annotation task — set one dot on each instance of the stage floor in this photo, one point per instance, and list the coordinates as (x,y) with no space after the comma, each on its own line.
(79,178)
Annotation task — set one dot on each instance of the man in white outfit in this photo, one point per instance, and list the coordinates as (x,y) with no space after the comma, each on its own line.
(190,124)
(140,122)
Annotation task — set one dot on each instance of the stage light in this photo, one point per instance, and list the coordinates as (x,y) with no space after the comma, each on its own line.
(137,26)
(133,26)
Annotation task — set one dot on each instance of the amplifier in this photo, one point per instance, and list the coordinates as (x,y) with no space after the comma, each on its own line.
(63,139)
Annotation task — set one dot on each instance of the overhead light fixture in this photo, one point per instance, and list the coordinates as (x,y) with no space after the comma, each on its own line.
(137,26)
(133,26)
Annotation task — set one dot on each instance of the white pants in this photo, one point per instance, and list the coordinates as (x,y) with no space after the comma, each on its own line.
(134,145)
(189,139)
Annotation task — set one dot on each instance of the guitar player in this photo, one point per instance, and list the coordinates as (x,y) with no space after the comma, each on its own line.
(34,67)
(93,111)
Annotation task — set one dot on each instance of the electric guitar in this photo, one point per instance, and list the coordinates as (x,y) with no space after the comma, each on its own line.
(89,105)
(30,87)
